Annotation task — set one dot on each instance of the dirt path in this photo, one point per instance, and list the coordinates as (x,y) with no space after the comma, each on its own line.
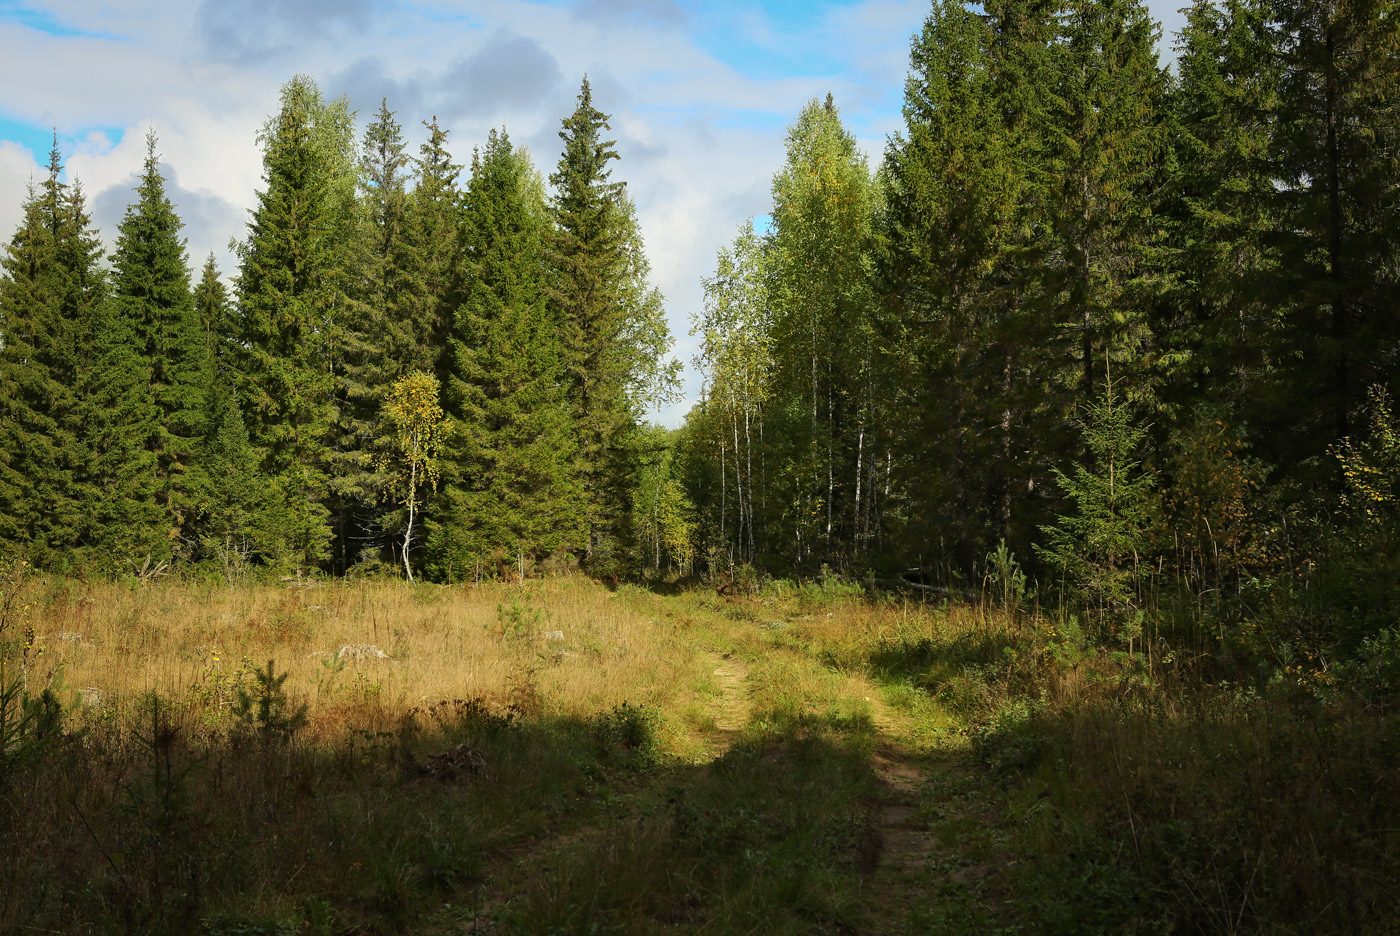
(914,855)
(903,843)
(731,709)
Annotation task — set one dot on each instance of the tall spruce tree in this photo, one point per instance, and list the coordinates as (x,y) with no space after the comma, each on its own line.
(1334,155)
(76,484)
(115,417)
(432,257)
(235,519)
(1217,324)
(604,329)
(510,489)
(378,340)
(1106,160)
(956,273)
(151,291)
(291,308)
(390,340)
(40,509)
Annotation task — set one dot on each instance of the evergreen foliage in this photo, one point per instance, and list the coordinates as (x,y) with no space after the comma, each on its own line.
(511,489)
(1099,546)
(77,484)
(377,336)
(1333,157)
(894,370)
(433,256)
(39,507)
(961,268)
(292,311)
(217,318)
(238,524)
(608,320)
(151,295)
(1217,314)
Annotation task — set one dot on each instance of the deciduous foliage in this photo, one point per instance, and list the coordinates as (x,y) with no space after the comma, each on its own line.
(662,512)
(824,204)
(736,357)
(413,429)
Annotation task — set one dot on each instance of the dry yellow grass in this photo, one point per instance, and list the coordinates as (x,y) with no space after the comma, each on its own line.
(573,645)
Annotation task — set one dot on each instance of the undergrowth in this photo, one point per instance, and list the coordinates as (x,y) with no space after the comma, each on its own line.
(548,777)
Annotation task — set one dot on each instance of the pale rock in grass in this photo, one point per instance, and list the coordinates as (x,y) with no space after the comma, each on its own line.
(361,652)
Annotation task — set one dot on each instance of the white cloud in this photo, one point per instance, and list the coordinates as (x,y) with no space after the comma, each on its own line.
(699,137)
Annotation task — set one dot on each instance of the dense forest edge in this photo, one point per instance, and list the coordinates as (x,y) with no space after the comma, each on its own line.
(1052,460)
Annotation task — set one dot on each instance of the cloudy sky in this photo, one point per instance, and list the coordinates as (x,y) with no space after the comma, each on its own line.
(700,95)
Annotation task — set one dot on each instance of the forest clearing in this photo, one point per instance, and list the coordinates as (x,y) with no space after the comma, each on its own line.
(1017,552)
(556,757)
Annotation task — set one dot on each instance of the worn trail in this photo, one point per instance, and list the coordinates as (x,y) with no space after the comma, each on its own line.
(731,708)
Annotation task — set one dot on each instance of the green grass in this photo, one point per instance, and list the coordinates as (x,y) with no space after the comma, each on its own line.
(898,769)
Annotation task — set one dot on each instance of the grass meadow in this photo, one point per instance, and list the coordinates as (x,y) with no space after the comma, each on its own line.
(561,758)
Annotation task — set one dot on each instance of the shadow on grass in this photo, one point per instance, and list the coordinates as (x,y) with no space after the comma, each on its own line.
(399,828)
(1223,813)
(965,671)
(772,837)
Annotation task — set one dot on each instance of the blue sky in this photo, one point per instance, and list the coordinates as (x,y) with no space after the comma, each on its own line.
(700,93)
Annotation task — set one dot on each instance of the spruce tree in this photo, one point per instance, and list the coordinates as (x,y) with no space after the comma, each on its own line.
(238,523)
(217,318)
(510,492)
(127,522)
(291,308)
(1217,325)
(151,292)
(1333,157)
(1099,548)
(607,321)
(432,254)
(378,336)
(77,485)
(40,509)
(390,343)
(959,322)
(1106,156)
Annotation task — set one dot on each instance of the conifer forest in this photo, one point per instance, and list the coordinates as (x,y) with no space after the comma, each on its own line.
(1091,371)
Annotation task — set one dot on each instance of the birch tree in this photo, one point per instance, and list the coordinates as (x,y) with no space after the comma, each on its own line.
(824,204)
(736,358)
(413,427)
